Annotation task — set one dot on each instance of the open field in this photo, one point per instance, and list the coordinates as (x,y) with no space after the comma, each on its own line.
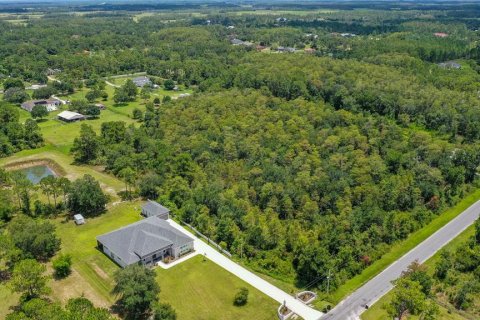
(377,311)
(403,247)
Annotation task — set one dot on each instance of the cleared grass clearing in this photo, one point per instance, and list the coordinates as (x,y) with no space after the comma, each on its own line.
(8,300)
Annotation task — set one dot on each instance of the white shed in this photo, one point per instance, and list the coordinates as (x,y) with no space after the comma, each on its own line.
(79,219)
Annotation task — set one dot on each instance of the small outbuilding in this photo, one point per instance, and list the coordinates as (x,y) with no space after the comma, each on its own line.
(70,116)
(155,209)
(79,219)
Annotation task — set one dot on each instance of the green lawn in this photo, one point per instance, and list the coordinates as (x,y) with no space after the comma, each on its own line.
(196,289)
(201,290)
(79,241)
(403,247)
(377,311)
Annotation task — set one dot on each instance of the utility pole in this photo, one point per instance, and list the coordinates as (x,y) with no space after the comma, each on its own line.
(328,281)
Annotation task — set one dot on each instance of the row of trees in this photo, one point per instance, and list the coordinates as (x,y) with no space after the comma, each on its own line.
(83,196)
(14,135)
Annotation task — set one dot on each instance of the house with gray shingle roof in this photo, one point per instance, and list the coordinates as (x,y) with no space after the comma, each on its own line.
(153,208)
(142,81)
(145,242)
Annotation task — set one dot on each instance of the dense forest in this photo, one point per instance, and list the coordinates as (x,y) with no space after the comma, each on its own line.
(299,163)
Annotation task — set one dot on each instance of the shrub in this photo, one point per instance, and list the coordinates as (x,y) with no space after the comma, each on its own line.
(62,266)
(241,297)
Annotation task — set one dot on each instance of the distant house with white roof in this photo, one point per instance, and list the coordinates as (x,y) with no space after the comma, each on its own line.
(70,116)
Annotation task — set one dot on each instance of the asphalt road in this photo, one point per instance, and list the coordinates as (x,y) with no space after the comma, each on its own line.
(354,305)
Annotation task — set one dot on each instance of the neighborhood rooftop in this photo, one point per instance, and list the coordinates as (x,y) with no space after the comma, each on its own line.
(50,104)
(142,81)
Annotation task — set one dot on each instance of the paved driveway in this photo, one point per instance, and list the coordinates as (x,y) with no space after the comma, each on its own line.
(354,305)
(270,290)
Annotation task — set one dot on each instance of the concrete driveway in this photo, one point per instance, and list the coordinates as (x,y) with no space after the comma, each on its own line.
(267,288)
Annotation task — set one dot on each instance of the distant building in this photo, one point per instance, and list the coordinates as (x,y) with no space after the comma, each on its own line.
(36,86)
(51,72)
(153,208)
(231,27)
(286,49)
(236,42)
(440,34)
(79,219)
(50,104)
(100,106)
(348,35)
(69,116)
(142,81)
(282,19)
(309,50)
(145,242)
(450,65)
(184,95)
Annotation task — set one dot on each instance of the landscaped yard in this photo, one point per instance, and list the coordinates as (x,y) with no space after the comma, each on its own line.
(202,290)
(197,289)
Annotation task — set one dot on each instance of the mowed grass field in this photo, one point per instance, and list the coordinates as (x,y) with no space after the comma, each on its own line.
(378,312)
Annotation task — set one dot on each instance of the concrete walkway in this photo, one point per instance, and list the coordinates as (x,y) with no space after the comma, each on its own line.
(270,290)
(169,265)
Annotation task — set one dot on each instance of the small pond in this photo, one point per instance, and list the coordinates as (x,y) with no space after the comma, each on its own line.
(37,173)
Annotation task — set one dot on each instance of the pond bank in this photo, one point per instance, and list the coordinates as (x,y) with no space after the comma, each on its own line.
(54,166)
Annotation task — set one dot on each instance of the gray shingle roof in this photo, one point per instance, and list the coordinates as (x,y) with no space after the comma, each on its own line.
(139,239)
(155,208)
(141,81)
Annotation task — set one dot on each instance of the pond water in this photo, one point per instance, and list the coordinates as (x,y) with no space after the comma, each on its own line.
(37,173)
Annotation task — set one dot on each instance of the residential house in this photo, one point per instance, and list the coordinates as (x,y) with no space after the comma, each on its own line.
(153,208)
(142,81)
(50,104)
(145,242)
